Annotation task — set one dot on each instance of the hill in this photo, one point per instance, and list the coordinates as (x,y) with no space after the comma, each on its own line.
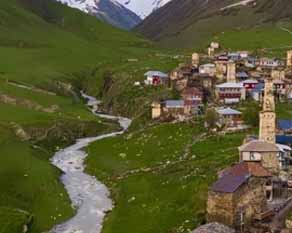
(48,53)
(193,23)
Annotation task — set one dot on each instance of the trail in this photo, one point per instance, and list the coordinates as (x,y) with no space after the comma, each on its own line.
(88,195)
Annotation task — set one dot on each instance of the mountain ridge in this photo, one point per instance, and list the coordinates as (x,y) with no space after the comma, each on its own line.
(188,22)
(110,11)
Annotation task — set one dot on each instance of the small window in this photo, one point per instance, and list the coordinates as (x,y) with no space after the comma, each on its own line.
(252,156)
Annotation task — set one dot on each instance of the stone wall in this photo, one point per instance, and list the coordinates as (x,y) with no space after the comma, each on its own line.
(226,208)
(270,161)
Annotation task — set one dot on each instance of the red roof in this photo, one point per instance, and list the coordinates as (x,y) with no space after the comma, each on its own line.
(247,168)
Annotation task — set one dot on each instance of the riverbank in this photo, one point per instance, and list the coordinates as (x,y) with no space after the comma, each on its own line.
(89,197)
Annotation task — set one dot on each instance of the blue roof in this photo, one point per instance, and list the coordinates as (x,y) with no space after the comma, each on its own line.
(242,74)
(285,124)
(174,103)
(284,139)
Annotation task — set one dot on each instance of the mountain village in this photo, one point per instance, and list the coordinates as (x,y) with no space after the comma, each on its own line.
(255,194)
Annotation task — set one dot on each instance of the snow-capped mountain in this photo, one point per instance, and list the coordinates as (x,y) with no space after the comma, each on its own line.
(143,8)
(110,11)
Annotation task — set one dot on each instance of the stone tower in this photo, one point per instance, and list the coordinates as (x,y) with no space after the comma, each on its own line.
(268,115)
(156,110)
(195,59)
(289,58)
(231,72)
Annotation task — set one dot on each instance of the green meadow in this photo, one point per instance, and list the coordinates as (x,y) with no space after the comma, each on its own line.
(159,177)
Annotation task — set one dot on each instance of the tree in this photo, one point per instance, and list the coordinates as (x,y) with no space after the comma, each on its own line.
(211,118)
(251,113)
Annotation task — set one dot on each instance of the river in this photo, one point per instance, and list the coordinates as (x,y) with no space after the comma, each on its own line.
(89,196)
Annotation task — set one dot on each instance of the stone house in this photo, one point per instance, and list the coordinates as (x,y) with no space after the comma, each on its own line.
(250,84)
(230,93)
(229,117)
(174,109)
(263,152)
(180,76)
(270,63)
(238,195)
(208,69)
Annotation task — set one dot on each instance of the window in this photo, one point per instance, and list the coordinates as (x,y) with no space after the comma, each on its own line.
(252,156)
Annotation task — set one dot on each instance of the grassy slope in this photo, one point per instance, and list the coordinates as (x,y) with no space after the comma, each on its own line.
(170,197)
(37,48)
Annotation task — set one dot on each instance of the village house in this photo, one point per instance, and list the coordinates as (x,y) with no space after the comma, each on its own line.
(231,72)
(221,65)
(257,93)
(239,195)
(270,63)
(195,60)
(251,62)
(203,81)
(250,84)
(193,99)
(207,69)
(278,74)
(176,109)
(229,117)
(180,76)
(193,95)
(263,152)
(156,78)
(215,45)
(230,93)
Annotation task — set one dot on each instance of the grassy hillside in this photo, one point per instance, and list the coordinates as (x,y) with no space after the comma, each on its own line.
(44,48)
(159,178)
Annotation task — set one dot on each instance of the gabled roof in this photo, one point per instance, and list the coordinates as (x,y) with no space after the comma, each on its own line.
(250,81)
(174,103)
(247,169)
(208,65)
(241,74)
(228,111)
(285,124)
(229,183)
(230,85)
(156,73)
(258,146)
(232,178)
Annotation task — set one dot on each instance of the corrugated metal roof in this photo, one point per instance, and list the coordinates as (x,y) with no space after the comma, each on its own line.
(174,103)
(228,111)
(156,73)
(285,124)
(259,146)
(229,183)
(230,85)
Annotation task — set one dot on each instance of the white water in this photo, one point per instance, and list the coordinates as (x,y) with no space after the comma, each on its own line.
(89,196)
